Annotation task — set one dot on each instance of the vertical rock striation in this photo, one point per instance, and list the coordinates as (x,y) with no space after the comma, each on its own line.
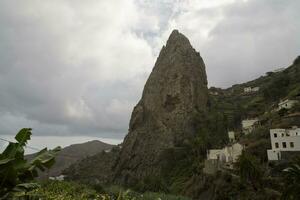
(174,94)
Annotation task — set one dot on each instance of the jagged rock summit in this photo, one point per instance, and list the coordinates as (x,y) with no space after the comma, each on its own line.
(174,94)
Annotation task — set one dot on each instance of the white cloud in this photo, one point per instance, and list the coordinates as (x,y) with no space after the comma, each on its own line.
(71,67)
(65,57)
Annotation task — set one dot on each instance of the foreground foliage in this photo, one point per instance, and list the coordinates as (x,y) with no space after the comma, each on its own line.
(16,173)
(292,180)
(64,190)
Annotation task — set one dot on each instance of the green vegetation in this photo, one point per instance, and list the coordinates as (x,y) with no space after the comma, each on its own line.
(249,170)
(182,165)
(64,190)
(16,173)
(292,181)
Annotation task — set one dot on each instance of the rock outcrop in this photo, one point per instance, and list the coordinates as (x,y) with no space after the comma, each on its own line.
(175,93)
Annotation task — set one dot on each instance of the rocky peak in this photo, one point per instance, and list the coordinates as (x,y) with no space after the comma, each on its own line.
(174,95)
(177,38)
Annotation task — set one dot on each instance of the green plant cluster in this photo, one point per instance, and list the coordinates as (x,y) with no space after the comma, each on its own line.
(64,190)
(16,173)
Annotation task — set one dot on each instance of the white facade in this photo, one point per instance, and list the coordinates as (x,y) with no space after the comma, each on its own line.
(287,104)
(235,151)
(214,154)
(247,89)
(255,89)
(58,178)
(231,136)
(227,154)
(283,140)
(250,89)
(248,125)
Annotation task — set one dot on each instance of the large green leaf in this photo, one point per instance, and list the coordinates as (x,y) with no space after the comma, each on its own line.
(26,186)
(23,136)
(16,173)
(5,161)
(13,150)
(44,159)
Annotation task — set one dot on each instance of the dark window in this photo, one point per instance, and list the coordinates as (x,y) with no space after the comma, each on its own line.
(284,144)
(287,134)
(276,145)
(292,144)
(282,134)
(275,134)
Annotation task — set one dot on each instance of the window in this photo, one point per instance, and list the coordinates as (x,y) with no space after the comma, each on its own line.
(292,144)
(276,145)
(275,134)
(284,144)
(282,134)
(287,134)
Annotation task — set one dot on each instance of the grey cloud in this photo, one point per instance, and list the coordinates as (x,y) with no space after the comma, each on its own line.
(241,40)
(78,68)
(63,72)
(253,38)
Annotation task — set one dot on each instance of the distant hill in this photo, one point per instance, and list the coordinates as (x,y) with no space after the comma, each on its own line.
(73,153)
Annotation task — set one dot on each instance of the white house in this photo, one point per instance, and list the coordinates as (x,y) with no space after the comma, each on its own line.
(58,178)
(214,154)
(255,89)
(248,125)
(287,104)
(231,136)
(251,89)
(217,158)
(228,154)
(283,140)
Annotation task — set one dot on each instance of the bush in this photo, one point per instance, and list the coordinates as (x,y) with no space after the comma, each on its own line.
(16,173)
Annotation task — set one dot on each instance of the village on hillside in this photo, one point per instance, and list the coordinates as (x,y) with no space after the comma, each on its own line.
(284,138)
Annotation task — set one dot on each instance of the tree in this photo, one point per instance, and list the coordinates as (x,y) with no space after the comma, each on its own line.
(16,173)
(292,180)
(249,170)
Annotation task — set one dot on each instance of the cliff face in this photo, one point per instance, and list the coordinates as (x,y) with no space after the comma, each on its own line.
(174,94)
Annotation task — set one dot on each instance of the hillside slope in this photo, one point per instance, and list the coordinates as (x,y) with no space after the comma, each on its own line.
(176,121)
(73,153)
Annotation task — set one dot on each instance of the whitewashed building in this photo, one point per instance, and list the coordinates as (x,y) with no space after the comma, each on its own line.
(57,178)
(231,136)
(218,158)
(248,125)
(283,140)
(287,104)
(251,89)
(227,154)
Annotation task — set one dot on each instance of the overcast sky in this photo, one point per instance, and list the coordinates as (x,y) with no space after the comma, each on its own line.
(73,67)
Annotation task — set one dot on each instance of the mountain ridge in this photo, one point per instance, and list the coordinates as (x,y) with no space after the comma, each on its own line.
(72,154)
